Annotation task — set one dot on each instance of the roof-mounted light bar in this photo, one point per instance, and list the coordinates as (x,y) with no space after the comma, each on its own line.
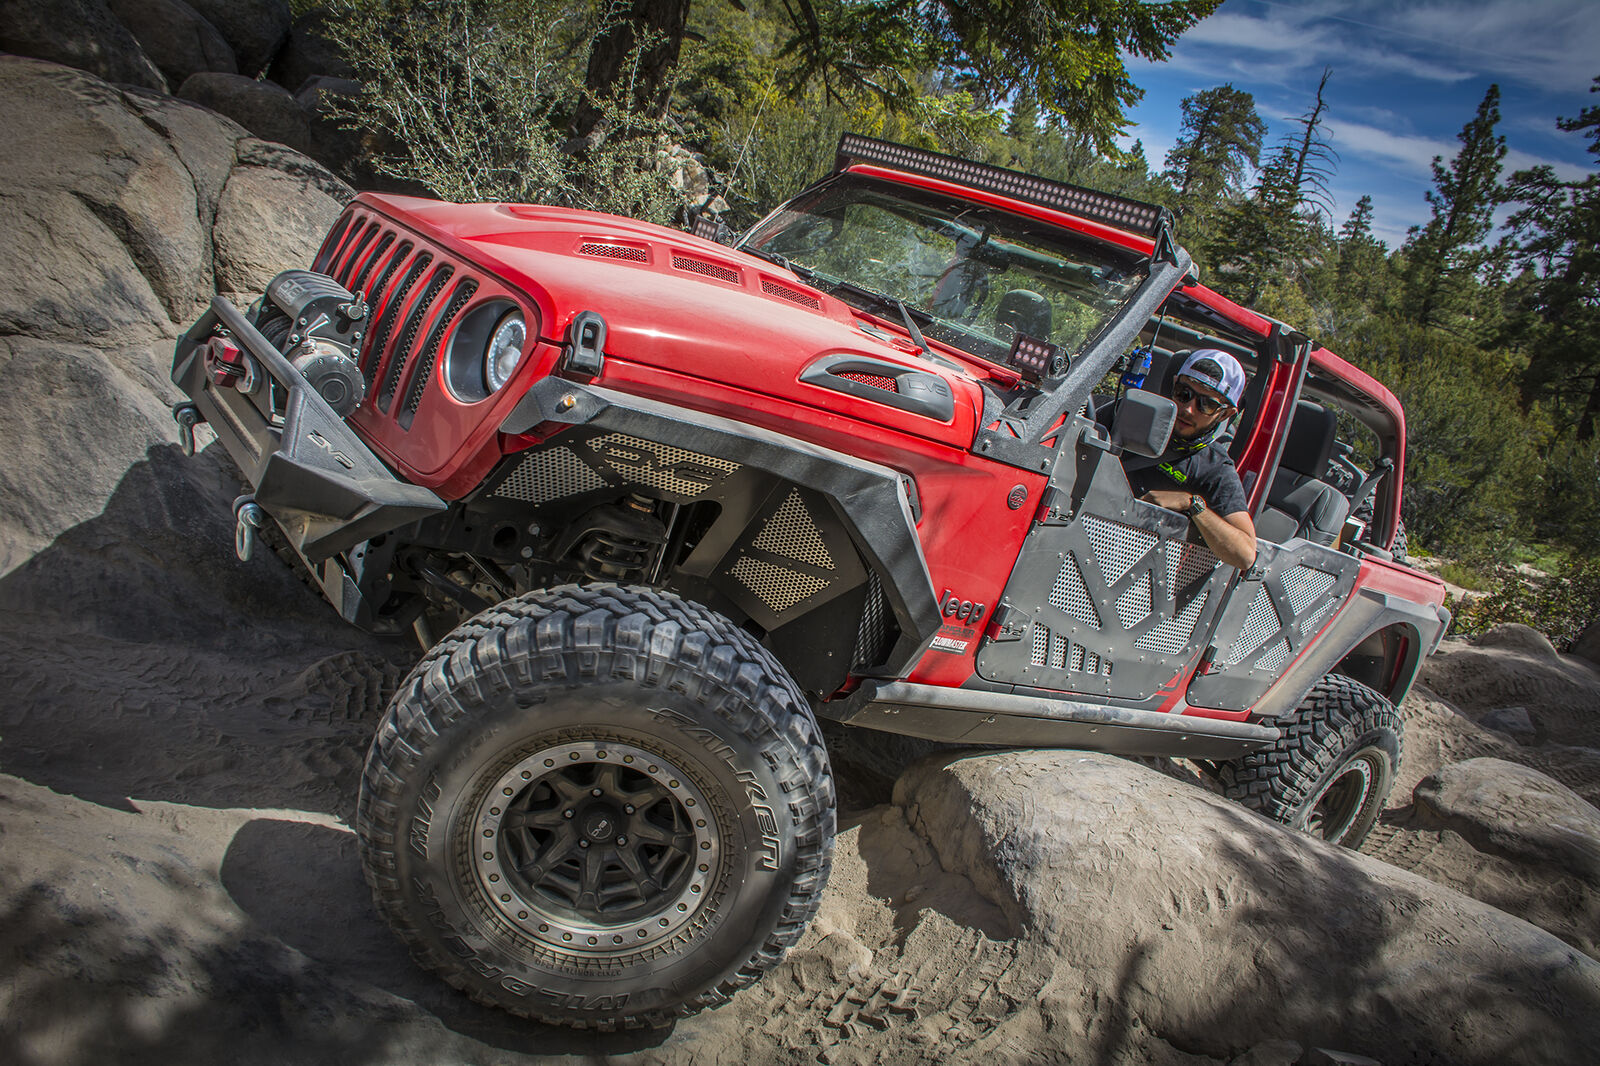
(1131,215)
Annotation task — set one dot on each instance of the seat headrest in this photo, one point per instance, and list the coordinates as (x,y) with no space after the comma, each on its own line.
(1309,445)
(1024,311)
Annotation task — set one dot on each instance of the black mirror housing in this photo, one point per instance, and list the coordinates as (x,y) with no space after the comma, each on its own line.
(1144,423)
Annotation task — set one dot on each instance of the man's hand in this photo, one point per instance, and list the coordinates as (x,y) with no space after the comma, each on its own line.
(1171,499)
(1232,537)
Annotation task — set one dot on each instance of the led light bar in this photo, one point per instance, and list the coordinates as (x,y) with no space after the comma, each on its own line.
(1035,359)
(1131,215)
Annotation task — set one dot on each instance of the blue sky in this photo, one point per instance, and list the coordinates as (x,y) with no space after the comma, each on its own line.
(1407,75)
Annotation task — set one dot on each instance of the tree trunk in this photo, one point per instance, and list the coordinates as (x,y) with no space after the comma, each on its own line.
(655,29)
(1591,411)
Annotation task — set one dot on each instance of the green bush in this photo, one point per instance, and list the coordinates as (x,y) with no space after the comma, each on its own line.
(1472,477)
(472,98)
(1560,606)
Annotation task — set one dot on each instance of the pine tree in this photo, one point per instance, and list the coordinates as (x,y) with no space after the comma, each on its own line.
(1263,241)
(1314,158)
(1556,317)
(1445,257)
(1221,135)
(1361,273)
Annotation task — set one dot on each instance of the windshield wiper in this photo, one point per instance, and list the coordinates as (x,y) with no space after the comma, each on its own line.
(800,270)
(911,325)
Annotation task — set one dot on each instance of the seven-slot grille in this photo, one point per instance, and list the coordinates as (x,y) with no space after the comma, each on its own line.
(414,293)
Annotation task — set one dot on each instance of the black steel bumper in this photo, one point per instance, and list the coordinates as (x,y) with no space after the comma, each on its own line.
(308,470)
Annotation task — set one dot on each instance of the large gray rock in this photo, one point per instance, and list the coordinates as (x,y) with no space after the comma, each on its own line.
(1587,646)
(308,53)
(254,29)
(176,37)
(99,206)
(1215,928)
(1514,666)
(274,212)
(77,33)
(112,199)
(1510,836)
(332,144)
(262,107)
(1511,810)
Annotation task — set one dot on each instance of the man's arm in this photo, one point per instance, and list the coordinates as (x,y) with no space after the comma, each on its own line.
(1232,537)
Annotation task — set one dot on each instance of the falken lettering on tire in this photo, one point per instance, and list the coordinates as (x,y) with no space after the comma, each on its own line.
(598,806)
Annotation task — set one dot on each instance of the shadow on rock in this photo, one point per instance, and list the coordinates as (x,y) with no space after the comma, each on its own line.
(301,883)
(146,661)
(96,990)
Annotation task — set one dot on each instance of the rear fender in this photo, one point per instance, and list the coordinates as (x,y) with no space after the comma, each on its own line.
(1404,631)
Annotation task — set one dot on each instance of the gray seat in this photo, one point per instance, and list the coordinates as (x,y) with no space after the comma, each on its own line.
(1300,503)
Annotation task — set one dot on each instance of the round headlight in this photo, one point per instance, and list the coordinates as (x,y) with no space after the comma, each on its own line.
(504,351)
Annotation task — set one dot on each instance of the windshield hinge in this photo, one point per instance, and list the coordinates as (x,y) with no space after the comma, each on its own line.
(1166,246)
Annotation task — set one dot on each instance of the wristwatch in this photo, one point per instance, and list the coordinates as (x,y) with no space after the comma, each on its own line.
(1196,505)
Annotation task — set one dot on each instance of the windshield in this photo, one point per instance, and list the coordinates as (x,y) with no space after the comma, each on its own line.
(972,276)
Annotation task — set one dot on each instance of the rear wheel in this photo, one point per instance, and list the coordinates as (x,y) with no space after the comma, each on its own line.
(1331,770)
(599,807)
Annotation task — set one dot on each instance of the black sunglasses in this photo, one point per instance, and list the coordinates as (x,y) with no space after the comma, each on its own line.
(1209,405)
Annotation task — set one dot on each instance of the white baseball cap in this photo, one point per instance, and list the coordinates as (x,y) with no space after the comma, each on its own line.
(1217,370)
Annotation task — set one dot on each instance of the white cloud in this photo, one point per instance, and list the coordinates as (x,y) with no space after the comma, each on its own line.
(1276,34)
(1518,160)
(1409,150)
(1550,44)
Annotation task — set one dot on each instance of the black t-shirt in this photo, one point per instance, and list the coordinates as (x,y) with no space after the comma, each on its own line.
(1208,473)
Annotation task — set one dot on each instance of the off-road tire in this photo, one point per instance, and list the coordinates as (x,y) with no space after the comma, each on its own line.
(1331,770)
(498,823)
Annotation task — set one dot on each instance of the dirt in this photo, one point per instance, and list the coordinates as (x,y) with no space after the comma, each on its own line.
(181,736)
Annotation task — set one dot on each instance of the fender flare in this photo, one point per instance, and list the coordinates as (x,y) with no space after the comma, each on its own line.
(870,499)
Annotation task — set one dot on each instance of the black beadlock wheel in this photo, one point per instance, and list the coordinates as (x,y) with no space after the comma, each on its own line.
(1331,770)
(598,806)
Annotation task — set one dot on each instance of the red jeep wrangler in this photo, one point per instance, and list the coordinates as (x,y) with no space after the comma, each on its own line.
(670,502)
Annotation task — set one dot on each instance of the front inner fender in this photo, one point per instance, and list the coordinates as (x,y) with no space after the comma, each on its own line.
(868,503)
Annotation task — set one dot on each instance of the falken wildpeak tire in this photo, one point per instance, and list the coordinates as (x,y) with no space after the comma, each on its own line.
(1332,768)
(602,807)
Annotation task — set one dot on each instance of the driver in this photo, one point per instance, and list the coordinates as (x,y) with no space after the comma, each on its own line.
(1195,476)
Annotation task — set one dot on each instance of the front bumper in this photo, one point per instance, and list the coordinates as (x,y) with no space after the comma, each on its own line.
(308,470)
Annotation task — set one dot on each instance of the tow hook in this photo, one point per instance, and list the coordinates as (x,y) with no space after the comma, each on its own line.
(248,516)
(187,415)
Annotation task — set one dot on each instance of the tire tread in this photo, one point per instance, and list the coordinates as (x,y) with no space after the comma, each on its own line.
(593,633)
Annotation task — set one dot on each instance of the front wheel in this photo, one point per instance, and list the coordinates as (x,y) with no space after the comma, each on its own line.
(1330,772)
(598,806)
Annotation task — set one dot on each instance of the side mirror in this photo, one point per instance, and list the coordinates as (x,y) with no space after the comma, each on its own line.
(1144,423)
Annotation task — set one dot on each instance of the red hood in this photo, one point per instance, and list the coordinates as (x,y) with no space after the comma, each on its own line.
(683,305)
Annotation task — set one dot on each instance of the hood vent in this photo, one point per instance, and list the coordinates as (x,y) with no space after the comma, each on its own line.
(877,381)
(705,269)
(784,292)
(632,253)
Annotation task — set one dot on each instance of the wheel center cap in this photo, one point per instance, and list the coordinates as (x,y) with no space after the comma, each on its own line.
(600,825)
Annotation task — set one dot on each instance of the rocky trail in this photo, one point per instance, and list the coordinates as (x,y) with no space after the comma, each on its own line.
(181,736)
